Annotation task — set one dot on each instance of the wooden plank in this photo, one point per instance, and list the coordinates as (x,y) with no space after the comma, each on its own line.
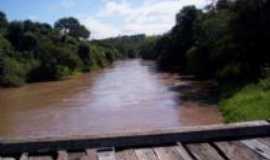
(237,151)
(266,141)
(168,153)
(138,138)
(24,156)
(75,156)
(62,155)
(8,158)
(204,151)
(146,154)
(183,152)
(258,147)
(91,154)
(40,158)
(126,155)
(106,154)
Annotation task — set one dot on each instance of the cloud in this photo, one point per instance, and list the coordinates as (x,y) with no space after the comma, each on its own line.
(34,18)
(99,29)
(149,17)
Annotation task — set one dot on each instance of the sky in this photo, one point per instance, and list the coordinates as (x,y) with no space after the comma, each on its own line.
(104,18)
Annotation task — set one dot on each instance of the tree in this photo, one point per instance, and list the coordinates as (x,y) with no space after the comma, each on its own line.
(15,34)
(3,22)
(174,45)
(84,54)
(72,27)
(12,72)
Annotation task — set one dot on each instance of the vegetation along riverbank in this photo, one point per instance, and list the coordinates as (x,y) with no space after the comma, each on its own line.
(33,51)
(226,41)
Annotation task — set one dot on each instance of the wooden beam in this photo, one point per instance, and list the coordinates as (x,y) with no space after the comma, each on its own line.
(134,139)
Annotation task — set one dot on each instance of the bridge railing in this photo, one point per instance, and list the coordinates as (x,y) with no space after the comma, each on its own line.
(207,133)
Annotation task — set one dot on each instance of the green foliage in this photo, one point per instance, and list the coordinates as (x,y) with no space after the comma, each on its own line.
(128,46)
(227,41)
(85,55)
(250,103)
(175,44)
(61,72)
(13,72)
(72,27)
(33,51)
(102,54)
(197,62)
(3,23)
(147,49)
(4,44)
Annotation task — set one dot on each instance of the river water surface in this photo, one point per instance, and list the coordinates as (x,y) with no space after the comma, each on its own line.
(128,96)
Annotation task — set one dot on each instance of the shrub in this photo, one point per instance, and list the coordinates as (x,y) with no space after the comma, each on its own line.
(13,72)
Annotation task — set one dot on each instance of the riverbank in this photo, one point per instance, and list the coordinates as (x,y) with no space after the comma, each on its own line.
(250,103)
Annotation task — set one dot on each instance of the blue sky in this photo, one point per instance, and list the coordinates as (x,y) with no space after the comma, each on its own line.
(105,18)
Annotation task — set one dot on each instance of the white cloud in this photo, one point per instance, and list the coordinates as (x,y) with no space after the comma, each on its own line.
(99,29)
(34,18)
(151,17)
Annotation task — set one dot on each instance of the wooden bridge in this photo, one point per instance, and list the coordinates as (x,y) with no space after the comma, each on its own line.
(239,141)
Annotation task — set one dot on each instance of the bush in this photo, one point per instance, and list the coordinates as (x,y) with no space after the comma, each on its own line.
(4,44)
(12,72)
(62,72)
(197,62)
(84,54)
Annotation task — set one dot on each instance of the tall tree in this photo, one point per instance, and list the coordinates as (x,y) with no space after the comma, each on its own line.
(3,22)
(72,27)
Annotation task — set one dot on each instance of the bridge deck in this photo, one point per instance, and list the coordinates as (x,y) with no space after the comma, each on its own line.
(241,141)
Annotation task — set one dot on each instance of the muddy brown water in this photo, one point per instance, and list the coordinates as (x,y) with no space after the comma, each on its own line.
(128,96)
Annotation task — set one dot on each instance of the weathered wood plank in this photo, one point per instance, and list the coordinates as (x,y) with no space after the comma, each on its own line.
(8,158)
(266,141)
(204,151)
(75,156)
(24,156)
(106,155)
(260,148)
(62,155)
(91,154)
(138,138)
(168,153)
(146,154)
(237,151)
(126,155)
(183,152)
(40,158)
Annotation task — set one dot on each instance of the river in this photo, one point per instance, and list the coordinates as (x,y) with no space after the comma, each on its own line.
(127,96)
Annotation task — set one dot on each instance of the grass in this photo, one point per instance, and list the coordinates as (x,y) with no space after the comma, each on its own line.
(250,103)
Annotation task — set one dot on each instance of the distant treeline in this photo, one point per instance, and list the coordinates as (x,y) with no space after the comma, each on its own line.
(32,51)
(228,40)
(128,46)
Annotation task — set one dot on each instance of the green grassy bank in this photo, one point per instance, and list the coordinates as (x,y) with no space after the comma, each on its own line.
(250,103)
